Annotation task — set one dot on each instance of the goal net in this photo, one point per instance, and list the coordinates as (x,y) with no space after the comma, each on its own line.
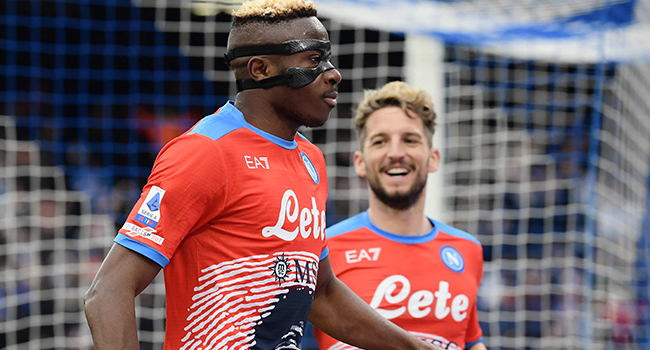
(547,165)
(545,160)
(50,245)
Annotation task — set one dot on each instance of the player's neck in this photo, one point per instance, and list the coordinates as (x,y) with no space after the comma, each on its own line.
(262,116)
(409,222)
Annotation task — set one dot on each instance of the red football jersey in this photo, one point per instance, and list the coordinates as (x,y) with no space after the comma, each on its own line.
(425,284)
(236,217)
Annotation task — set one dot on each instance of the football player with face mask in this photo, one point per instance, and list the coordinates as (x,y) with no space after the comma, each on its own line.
(234,210)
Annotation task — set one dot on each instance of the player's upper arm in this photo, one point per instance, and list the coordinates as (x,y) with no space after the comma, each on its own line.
(123,271)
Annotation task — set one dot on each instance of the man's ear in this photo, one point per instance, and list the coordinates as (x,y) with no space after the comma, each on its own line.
(434,160)
(359,165)
(259,68)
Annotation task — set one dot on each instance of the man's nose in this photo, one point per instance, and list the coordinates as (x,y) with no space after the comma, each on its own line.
(396,149)
(332,76)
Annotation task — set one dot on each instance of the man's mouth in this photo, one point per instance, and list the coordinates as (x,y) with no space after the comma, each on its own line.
(330,98)
(397,171)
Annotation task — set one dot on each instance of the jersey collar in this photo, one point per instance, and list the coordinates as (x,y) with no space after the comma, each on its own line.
(239,116)
(399,238)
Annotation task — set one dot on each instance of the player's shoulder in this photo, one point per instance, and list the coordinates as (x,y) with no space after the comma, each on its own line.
(455,232)
(215,126)
(348,225)
(194,142)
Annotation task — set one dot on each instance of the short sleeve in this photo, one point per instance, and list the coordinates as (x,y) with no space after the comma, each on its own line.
(186,189)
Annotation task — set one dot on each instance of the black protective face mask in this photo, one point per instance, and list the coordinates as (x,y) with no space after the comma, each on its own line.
(296,77)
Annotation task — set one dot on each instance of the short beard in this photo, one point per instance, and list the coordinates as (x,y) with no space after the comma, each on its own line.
(398,201)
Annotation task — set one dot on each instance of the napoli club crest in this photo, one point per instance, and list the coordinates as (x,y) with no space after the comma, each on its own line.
(311,169)
(452,259)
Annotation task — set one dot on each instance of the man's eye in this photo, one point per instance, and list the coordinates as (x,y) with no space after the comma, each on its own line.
(324,55)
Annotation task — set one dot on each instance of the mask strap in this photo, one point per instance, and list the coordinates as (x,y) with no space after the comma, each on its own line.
(248,84)
(296,77)
(286,48)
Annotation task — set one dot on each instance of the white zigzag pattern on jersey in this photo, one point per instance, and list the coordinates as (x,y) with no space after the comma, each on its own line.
(236,295)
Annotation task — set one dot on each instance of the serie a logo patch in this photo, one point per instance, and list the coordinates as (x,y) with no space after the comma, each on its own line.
(149,212)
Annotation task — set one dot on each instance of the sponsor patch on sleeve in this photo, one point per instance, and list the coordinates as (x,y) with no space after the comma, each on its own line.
(133,231)
(149,212)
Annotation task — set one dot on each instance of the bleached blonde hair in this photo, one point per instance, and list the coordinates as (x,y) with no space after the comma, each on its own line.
(396,94)
(272,11)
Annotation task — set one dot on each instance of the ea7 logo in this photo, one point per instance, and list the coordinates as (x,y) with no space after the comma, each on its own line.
(257,162)
(355,256)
